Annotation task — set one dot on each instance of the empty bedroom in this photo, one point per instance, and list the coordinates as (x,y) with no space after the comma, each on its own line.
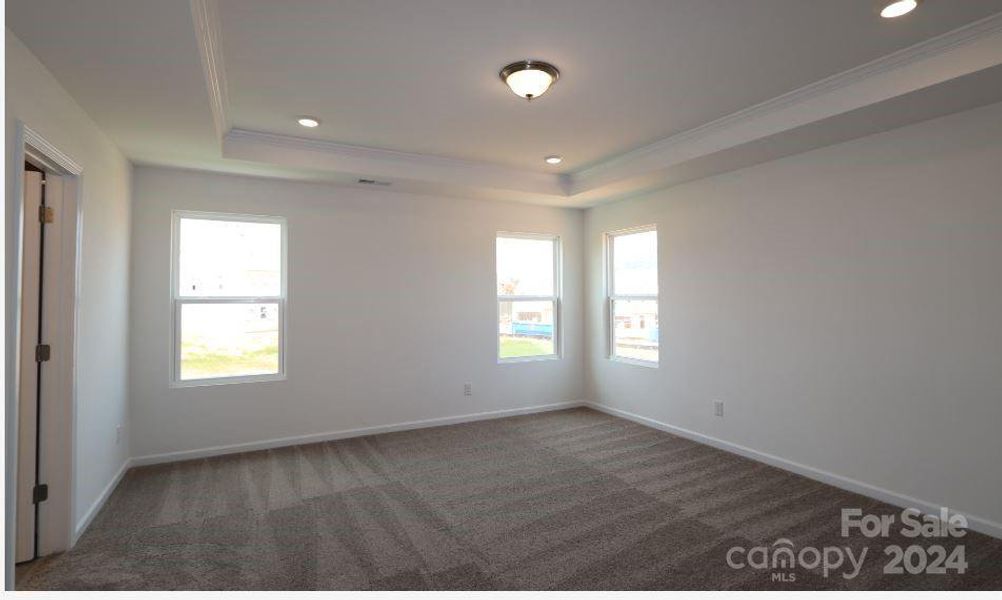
(503,295)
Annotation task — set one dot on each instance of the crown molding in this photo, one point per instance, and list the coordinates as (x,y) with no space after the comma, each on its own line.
(40,149)
(366,152)
(887,68)
(205,14)
(309,153)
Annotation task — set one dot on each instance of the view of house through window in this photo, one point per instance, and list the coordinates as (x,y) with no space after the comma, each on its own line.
(633,295)
(528,296)
(229,296)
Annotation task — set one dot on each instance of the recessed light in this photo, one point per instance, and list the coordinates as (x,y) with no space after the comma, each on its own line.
(309,122)
(554,159)
(898,8)
(529,78)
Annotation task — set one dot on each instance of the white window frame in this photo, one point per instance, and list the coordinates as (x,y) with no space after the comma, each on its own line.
(555,298)
(178,301)
(612,297)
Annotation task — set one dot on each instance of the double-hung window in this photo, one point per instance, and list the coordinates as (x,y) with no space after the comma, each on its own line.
(528,287)
(229,298)
(633,295)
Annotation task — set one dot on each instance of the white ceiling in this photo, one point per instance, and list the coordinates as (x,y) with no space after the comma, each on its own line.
(420,78)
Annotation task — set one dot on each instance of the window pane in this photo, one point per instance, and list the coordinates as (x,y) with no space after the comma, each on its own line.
(229,258)
(635,329)
(227,340)
(526,329)
(635,264)
(525,267)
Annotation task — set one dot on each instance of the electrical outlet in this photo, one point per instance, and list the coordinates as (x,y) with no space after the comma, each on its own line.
(718,408)
(467,389)
(118,434)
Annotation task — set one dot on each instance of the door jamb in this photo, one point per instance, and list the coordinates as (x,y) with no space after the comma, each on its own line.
(58,531)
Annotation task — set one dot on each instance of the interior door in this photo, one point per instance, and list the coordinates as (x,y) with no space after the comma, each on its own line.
(41,239)
(27,407)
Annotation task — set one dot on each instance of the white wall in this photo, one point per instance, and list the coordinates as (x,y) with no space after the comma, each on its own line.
(391,311)
(845,304)
(36,98)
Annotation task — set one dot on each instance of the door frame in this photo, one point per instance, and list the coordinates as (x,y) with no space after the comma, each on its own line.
(56,531)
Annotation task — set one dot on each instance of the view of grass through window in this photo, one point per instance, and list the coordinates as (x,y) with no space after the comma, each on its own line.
(515,347)
(229,297)
(226,340)
(527,296)
(526,329)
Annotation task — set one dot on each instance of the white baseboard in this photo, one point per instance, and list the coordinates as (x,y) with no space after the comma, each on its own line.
(979,524)
(153,459)
(99,502)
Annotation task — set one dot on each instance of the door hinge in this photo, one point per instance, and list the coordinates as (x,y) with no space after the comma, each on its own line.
(46,214)
(42,352)
(40,493)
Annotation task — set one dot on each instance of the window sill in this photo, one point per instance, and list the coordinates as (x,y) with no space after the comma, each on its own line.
(525,359)
(187,383)
(634,361)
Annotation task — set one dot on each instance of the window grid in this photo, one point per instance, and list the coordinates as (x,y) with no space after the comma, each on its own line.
(554,298)
(613,297)
(178,301)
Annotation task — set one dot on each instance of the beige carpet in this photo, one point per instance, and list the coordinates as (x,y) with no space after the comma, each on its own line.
(573,499)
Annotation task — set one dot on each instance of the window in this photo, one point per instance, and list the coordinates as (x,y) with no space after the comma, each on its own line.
(528,267)
(633,295)
(228,298)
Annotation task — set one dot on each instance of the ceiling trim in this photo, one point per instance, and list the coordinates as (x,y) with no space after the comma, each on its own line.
(640,159)
(205,14)
(39,148)
(391,164)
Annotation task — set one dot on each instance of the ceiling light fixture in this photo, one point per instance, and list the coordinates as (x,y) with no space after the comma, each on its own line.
(554,160)
(529,78)
(310,122)
(898,8)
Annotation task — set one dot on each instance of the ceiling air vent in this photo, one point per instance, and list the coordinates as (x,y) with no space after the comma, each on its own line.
(373,182)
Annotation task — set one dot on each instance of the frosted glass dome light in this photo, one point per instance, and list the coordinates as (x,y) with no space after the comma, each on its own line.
(898,8)
(529,78)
